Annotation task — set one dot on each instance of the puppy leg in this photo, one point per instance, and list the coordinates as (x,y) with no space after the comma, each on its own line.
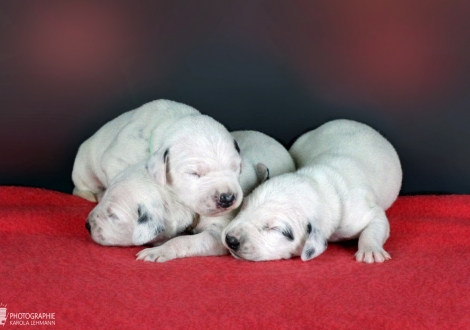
(88,195)
(204,243)
(99,196)
(373,237)
(86,184)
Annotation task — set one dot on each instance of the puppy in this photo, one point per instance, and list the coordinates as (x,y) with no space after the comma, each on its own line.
(135,210)
(348,175)
(262,157)
(121,142)
(192,154)
(200,162)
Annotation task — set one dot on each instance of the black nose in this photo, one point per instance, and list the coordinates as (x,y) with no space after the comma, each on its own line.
(88,227)
(232,242)
(226,200)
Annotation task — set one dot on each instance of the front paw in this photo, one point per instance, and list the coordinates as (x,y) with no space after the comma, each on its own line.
(371,255)
(155,254)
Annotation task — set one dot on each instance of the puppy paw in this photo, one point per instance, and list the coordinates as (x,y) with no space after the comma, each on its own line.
(155,254)
(370,256)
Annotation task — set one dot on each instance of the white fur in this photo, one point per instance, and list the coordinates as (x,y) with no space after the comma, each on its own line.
(198,160)
(261,155)
(190,153)
(348,175)
(135,210)
(121,142)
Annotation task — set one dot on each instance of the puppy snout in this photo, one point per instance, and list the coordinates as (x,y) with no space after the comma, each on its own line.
(232,242)
(226,200)
(87,226)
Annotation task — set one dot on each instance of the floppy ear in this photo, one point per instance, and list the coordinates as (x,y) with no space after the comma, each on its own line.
(262,172)
(315,244)
(237,148)
(147,228)
(157,165)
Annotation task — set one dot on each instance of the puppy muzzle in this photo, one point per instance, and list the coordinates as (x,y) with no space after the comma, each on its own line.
(232,242)
(226,200)
(87,226)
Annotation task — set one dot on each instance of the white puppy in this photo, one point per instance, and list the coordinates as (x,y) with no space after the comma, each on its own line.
(200,162)
(348,176)
(262,157)
(192,153)
(136,210)
(121,142)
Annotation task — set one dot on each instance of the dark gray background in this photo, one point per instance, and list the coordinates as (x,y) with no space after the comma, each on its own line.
(280,67)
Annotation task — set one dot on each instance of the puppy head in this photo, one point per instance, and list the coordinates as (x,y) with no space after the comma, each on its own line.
(273,222)
(201,163)
(135,211)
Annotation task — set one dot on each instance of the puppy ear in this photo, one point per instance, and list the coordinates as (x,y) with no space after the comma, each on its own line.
(157,165)
(237,148)
(147,228)
(315,244)
(262,172)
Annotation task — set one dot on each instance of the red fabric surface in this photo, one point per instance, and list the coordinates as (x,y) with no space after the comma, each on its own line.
(49,264)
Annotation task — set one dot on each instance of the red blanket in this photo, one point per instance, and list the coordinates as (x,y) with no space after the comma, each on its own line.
(51,267)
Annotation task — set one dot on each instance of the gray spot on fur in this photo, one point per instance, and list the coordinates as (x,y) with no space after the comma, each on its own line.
(165,155)
(310,252)
(309,228)
(237,148)
(287,232)
(143,215)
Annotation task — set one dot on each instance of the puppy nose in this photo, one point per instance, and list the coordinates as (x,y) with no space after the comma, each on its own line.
(232,242)
(88,227)
(226,200)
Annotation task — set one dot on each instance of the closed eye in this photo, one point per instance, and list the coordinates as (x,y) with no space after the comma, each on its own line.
(195,174)
(112,216)
(286,231)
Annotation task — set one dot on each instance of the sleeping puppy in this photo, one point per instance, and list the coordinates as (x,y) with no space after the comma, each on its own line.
(200,162)
(121,142)
(135,210)
(348,175)
(190,153)
(263,157)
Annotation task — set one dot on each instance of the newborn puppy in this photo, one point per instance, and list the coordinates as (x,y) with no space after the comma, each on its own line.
(348,175)
(263,157)
(190,153)
(135,210)
(121,142)
(200,162)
